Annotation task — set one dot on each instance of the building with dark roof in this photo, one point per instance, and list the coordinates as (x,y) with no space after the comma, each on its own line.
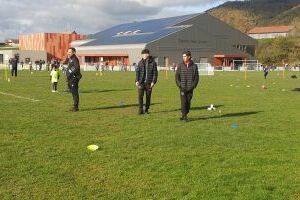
(209,40)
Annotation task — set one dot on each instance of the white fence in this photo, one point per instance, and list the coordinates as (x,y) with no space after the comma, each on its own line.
(94,67)
(204,68)
(25,66)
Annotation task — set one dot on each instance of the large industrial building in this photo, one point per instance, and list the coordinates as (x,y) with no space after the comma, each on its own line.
(209,40)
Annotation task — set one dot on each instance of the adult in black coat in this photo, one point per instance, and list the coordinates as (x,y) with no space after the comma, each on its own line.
(14,66)
(146,78)
(73,76)
(187,78)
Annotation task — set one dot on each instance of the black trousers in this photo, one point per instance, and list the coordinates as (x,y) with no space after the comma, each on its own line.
(54,86)
(266,74)
(14,70)
(186,98)
(73,85)
(144,88)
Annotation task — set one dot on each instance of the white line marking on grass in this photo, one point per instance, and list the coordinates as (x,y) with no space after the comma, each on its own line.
(19,97)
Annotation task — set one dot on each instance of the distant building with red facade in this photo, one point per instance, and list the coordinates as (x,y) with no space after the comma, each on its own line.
(55,44)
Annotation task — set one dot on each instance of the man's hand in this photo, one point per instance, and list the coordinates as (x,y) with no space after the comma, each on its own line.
(152,85)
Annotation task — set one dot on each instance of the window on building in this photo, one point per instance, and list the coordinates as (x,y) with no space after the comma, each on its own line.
(1,58)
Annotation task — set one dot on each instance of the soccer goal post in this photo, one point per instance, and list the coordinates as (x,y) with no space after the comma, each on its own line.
(205,69)
(246,65)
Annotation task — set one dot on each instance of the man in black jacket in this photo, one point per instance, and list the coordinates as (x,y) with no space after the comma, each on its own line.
(73,76)
(14,65)
(187,78)
(146,78)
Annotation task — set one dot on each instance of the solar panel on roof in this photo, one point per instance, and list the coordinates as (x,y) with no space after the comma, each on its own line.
(138,32)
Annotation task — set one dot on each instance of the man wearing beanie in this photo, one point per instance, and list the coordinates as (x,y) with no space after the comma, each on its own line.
(146,78)
(187,78)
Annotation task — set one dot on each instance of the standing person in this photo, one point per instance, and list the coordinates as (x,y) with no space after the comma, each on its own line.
(48,66)
(40,65)
(73,76)
(266,71)
(97,66)
(146,78)
(174,67)
(36,64)
(14,66)
(30,65)
(187,78)
(112,67)
(134,66)
(101,66)
(22,64)
(54,76)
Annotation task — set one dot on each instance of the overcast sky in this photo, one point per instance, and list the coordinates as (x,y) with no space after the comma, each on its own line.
(87,16)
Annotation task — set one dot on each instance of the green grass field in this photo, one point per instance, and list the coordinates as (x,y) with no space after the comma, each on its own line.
(43,146)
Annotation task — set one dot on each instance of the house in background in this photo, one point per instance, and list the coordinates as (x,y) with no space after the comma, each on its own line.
(11,48)
(271,32)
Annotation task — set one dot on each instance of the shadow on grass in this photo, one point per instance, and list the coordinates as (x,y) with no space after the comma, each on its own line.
(102,91)
(115,107)
(296,90)
(240,114)
(193,108)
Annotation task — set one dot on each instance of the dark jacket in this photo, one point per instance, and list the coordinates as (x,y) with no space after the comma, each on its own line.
(146,71)
(14,62)
(187,77)
(73,70)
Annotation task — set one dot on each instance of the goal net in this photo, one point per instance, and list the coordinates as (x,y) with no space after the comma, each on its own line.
(205,69)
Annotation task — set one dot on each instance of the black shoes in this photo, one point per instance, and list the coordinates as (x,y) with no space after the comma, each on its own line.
(184,118)
(74,109)
(141,112)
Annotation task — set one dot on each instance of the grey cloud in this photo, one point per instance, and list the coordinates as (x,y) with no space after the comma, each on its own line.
(26,16)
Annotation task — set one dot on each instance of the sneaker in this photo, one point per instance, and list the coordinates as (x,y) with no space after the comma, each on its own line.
(147,111)
(184,118)
(141,112)
(74,109)
(53,91)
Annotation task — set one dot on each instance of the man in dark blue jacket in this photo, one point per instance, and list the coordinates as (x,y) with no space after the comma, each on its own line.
(146,78)
(73,76)
(187,78)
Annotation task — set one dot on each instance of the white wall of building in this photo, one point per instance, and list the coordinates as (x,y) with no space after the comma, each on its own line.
(268,35)
(32,55)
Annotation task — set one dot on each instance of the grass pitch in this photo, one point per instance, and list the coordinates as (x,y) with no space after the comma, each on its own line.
(249,148)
